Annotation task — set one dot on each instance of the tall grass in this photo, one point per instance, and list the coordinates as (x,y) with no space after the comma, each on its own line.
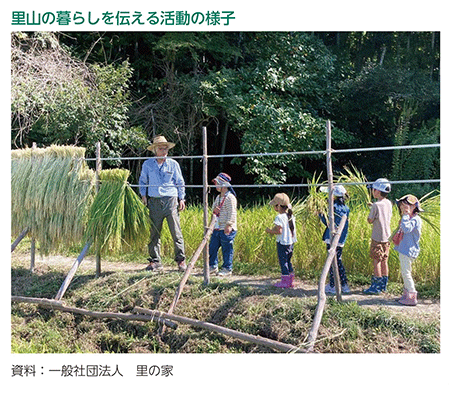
(255,251)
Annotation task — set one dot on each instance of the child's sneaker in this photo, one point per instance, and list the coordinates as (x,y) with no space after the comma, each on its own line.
(225,272)
(213,270)
(330,290)
(375,287)
(345,289)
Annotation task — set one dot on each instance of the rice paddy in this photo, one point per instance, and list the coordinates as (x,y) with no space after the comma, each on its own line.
(54,195)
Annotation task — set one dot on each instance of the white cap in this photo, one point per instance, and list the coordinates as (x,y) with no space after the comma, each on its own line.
(338,190)
(381,184)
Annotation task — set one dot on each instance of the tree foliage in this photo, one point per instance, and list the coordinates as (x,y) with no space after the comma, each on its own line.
(58,99)
(256,92)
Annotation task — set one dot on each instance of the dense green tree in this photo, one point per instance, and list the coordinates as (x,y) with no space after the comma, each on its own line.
(57,99)
(255,92)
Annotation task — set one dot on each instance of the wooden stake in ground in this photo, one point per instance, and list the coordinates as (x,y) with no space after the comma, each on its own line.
(321,297)
(193,260)
(205,196)
(72,272)
(283,347)
(19,238)
(331,214)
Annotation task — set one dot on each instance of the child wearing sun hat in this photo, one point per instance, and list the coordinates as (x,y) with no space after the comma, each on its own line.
(224,233)
(408,247)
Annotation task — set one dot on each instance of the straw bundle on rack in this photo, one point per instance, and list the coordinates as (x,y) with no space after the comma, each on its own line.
(51,189)
(118,220)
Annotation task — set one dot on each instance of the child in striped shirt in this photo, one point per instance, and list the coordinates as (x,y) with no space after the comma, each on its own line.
(225,208)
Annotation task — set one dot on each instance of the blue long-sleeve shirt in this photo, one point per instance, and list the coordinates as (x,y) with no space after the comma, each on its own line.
(339,210)
(162,180)
(411,228)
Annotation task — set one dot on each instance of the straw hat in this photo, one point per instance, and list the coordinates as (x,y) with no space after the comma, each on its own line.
(160,140)
(280,199)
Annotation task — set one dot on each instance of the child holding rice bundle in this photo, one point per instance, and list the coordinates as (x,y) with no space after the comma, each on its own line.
(407,244)
(339,209)
(284,229)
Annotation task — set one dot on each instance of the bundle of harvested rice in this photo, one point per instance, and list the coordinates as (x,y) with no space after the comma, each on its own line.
(359,194)
(51,189)
(118,220)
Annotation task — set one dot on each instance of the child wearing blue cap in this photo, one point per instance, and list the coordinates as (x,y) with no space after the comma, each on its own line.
(225,208)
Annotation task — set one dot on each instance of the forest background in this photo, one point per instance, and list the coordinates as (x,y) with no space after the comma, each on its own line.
(255,92)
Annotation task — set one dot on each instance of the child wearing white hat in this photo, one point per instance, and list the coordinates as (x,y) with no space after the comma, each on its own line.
(339,209)
(380,216)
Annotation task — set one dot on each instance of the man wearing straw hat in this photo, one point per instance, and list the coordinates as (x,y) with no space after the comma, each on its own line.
(162,188)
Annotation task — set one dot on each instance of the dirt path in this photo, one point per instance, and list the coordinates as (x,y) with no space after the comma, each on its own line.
(427,309)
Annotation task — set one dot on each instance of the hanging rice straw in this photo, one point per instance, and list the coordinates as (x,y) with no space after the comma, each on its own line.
(118,220)
(51,189)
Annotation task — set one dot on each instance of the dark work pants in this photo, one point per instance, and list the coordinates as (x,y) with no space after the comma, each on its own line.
(165,207)
(341,270)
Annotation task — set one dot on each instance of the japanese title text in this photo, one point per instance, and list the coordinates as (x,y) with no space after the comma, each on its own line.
(122,18)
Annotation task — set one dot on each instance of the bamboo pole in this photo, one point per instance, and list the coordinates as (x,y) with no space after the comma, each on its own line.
(331,215)
(190,266)
(32,240)
(72,272)
(283,347)
(19,238)
(98,169)
(321,297)
(57,305)
(205,254)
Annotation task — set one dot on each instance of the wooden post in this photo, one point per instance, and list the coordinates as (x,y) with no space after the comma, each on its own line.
(72,272)
(19,238)
(321,297)
(205,202)
(192,262)
(331,215)
(32,240)
(98,169)
(189,268)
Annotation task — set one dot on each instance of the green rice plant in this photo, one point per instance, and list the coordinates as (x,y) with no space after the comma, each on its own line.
(430,203)
(117,220)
